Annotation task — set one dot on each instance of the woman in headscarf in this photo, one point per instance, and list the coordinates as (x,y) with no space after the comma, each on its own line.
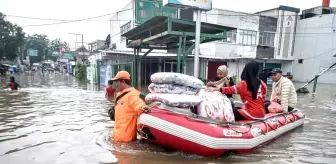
(222,79)
(252,91)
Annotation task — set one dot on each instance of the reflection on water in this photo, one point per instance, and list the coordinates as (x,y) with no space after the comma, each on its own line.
(55,119)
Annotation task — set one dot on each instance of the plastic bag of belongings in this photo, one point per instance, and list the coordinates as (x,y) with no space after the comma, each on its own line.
(215,105)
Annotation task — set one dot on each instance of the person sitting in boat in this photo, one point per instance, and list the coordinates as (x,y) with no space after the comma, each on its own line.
(252,91)
(283,92)
(222,79)
(128,107)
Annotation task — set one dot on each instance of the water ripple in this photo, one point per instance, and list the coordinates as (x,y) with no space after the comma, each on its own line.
(56,120)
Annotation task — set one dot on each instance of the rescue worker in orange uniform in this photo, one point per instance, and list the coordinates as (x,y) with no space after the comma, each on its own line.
(128,107)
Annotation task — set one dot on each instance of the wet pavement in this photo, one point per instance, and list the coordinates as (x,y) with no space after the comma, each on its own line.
(55,119)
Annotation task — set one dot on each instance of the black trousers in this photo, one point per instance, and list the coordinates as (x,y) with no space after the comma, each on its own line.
(238,116)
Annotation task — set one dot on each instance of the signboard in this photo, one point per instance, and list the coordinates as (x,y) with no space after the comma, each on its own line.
(147,9)
(32,52)
(68,55)
(69,68)
(64,60)
(200,4)
(55,53)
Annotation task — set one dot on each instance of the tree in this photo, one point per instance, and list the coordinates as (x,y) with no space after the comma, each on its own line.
(82,49)
(39,43)
(11,39)
(108,40)
(55,46)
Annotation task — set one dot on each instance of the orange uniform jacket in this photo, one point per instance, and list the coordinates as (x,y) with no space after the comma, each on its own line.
(127,110)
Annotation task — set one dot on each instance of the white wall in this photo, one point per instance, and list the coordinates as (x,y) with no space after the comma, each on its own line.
(288,20)
(189,70)
(118,20)
(238,20)
(287,35)
(315,44)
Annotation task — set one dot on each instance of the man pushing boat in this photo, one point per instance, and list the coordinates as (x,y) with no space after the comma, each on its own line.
(128,106)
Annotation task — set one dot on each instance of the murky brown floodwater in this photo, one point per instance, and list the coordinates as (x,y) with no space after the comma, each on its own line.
(53,119)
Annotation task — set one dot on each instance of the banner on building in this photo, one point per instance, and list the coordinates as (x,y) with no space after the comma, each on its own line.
(102,75)
(68,55)
(200,4)
(147,9)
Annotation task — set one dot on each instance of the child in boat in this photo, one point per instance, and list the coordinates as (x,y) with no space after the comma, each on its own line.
(252,91)
(13,85)
(110,91)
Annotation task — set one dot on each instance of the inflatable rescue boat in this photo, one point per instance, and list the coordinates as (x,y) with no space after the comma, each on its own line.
(181,129)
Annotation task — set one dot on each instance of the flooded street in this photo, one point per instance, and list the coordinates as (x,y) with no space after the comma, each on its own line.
(54,119)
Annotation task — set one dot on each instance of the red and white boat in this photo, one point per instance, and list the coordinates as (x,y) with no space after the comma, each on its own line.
(182,130)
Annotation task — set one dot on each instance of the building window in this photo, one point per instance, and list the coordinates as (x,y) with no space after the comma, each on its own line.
(247,37)
(231,37)
(266,38)
(300,61)
(123,29)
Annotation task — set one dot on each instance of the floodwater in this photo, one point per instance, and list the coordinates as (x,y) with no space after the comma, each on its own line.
(55,119)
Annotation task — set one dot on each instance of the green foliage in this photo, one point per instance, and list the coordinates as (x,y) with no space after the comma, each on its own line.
(82,49)
(39,43)
(108,40)
(55,46)
(80,71)
(11,39)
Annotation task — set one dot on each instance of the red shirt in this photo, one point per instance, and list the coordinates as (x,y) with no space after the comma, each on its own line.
(110,91)
(252,109)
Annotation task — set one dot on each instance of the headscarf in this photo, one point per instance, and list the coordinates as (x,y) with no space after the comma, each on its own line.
(220,82)
(250,76)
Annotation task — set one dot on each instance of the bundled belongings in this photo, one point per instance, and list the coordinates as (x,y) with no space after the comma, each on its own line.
(215,105)
(175,100)
(174,89)
(176,78)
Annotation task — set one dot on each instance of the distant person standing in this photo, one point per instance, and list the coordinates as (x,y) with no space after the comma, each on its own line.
(110,91)
(13,85)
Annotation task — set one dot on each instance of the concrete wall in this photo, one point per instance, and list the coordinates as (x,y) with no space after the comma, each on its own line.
(315,44)
(118,20)
(285,35)
(267,29)
(189,68)
(232,49)
(285,32)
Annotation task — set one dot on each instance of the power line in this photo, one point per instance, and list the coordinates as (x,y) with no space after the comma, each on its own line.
(51,19)
(78,20)
(89,19)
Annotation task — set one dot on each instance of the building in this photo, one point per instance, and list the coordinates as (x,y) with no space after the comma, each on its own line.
(96,45)
(315,44)
(266,36)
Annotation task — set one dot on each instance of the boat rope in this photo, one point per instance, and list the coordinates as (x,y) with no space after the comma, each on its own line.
(142,134)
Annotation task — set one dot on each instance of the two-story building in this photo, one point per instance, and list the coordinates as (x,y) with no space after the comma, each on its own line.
(266,36)
(315,47)
(96,45)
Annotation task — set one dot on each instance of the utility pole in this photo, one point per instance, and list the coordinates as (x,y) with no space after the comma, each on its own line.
(82,39)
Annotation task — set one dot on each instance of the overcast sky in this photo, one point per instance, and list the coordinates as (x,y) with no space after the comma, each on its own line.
(92,30)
